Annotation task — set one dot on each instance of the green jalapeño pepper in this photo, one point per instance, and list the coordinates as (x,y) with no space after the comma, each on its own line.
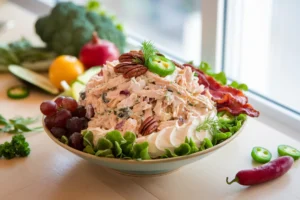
(160,65)
(261,155)
(286,150)
(18,92)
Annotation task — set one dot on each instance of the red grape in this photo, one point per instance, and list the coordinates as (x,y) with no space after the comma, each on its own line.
(48,108)
(69,104)
(62,117)
(58,132)
(50,121)
(76,141)
(75,124)
(58,101)
(79,112)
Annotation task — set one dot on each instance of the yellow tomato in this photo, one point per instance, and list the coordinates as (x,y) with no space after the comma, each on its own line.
(65,68)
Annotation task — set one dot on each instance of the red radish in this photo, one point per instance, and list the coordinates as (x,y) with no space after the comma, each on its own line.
(264,173)
(97,52)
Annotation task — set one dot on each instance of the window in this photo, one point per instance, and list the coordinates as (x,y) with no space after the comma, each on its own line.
(261,49)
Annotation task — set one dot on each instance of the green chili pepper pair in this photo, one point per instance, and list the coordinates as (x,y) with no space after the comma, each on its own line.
(262,155)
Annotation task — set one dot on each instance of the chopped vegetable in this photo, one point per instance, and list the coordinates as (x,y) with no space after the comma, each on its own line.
(68,27)
(76,88)
(160,65)
(261,155)
(17,147)
(286,150)
(17,125)
(65,68)
(21,52)
(87,75)
(33,78)
(18,92)
(264,173)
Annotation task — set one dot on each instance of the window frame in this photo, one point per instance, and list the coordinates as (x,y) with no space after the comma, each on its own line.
(273,111)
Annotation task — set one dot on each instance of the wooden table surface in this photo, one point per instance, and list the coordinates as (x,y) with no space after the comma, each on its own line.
(51,172)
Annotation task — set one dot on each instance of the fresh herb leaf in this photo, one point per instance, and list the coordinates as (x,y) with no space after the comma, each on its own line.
(17,147)
(148,49)
(103,144)
(3,121)
(209,124)
(17,125)
(22,120)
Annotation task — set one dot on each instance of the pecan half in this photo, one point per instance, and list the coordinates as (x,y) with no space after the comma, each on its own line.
(132,56)
(177,64)
(135,71)
(124,67)
(148,126)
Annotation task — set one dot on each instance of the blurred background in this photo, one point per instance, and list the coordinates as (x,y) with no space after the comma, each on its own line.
(175,26)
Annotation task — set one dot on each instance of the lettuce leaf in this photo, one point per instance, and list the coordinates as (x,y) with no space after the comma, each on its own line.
(221,77)
(88,138)
(103,144)
(140,151)
(115,136)
(114,145)
(89,149)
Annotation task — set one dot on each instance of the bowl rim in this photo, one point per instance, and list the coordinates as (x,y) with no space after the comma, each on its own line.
(134,161)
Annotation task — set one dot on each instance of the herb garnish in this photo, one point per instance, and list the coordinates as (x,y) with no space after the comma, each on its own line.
(148,49)
(209,124)
(17,147)
(17,125)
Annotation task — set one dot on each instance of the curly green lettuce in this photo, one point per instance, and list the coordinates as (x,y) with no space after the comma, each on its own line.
(115,145)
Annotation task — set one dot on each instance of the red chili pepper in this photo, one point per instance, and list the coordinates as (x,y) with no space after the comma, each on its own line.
(264,173)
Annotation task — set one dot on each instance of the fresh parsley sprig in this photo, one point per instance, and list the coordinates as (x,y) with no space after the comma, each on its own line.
(17,125)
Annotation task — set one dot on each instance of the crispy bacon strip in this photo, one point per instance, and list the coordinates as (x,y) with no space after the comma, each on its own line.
(227,98)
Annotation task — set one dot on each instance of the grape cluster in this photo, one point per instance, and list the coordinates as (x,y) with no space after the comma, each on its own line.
(64,117)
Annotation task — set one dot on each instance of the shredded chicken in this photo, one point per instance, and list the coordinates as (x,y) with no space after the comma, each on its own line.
(123,104)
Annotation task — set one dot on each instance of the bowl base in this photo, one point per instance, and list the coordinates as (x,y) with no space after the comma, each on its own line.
(144,173)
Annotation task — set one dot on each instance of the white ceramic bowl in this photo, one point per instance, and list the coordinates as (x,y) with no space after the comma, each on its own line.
(144,167)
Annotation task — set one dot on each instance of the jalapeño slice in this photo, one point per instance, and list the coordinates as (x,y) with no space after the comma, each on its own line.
(160,65)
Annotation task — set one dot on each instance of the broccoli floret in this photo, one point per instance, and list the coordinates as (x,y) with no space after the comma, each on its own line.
(20,145)
(8,150)
(69,27)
